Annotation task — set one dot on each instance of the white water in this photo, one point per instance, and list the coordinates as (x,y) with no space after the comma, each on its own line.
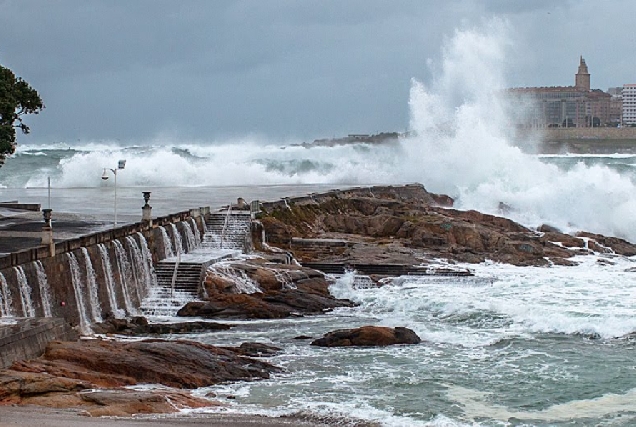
(149,269)
(195,231)
(6,303)
(461,146)
(91,282)
(76,281)
(191,241)
(242,281)
(167,243)
(110,282)
(45,289)
(25,293)
(178,243)
(125,276)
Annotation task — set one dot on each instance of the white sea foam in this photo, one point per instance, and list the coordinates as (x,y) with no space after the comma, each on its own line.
(478,404)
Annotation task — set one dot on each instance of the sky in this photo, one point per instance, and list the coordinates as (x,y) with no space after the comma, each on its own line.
(146,71)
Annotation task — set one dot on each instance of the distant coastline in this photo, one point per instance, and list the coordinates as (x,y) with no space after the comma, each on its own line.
(603,140)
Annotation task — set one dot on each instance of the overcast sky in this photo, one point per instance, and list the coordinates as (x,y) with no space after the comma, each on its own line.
(139,71)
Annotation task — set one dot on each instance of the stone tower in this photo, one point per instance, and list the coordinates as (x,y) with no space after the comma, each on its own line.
(582,78)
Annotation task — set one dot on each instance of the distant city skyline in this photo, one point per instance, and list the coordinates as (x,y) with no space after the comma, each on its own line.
(279,70)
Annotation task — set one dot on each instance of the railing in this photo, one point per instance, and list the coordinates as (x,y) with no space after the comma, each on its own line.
(227,220)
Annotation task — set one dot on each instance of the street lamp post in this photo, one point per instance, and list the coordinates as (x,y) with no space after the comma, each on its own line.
(120,165)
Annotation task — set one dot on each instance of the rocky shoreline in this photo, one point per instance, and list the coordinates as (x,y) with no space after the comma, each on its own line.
(377,226)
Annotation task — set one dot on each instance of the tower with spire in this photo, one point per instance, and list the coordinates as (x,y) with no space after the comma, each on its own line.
(582,77)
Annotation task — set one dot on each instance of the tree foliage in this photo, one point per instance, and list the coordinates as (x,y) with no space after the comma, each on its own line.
(17,98)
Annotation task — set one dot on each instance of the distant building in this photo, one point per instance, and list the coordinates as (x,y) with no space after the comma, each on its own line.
(616,105)
(629,105)
(560,106)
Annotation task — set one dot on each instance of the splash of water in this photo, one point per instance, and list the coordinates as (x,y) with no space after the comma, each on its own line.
(93,297)
(167,243)
(6,303)
(76,280)
(125,276)
(178,243)
(45,289)
(110,282)
(25,293)
(461,147)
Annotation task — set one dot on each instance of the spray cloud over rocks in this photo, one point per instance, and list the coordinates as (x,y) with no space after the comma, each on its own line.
(459,144)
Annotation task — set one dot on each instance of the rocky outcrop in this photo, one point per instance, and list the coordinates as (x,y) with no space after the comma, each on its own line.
(68,370)
(404,225)
(368,336)
(139,326)
(257,290)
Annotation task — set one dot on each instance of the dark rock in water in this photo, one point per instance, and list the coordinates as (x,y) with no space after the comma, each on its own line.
(303,337)
(255,349)
(139,326)
(367,336)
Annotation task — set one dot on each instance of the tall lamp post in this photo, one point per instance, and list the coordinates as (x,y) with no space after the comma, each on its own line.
(120,165)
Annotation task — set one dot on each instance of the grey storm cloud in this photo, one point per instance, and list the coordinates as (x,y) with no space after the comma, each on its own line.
(209,70)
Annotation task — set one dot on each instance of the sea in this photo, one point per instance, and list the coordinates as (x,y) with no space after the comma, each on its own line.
(510,346)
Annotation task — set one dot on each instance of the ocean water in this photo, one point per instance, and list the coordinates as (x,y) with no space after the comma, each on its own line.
(515,346)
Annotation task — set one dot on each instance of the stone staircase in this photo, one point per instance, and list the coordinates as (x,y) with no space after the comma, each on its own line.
(226,234)
(228,231)
(189,276)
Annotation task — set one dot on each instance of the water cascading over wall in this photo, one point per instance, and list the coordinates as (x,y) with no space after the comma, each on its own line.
(93,282)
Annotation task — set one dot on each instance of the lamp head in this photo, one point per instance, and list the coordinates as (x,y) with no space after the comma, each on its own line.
(121,164)
(104,175)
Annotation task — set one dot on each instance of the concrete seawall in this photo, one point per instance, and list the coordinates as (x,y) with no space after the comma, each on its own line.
(27,338)
(96,275)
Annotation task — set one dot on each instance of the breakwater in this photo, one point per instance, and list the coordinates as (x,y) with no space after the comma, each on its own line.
(95,276)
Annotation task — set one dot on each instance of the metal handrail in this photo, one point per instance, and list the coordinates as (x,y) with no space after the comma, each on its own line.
(227,219)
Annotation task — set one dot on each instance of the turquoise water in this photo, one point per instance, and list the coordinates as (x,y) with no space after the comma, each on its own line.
(527,347)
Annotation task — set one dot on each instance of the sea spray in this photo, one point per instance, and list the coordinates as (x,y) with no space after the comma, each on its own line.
(45,289)
(76,282)
(91,282)
(460,146)
(25,293)
(110,282)
(6,304)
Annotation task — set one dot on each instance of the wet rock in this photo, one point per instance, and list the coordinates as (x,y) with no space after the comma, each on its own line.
(380,224)
(139,326)
(124,403)
(179,364)
(368,336)
(277,291)
(255,349)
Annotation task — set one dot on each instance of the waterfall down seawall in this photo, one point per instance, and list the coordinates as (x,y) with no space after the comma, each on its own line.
(95,276)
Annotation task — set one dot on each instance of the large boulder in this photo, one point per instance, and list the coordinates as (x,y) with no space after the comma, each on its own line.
(368,336)
(179,364)
(258,289)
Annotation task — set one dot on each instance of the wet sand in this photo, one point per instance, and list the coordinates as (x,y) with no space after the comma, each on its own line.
(13,416)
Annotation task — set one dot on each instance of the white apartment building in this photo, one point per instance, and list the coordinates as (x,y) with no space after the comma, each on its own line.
(629,105)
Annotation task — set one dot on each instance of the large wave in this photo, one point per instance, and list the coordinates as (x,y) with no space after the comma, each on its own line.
(459,144)
(463,148)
